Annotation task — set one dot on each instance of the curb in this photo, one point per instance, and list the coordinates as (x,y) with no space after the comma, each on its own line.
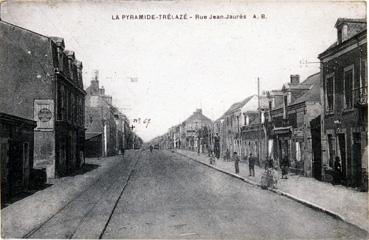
(299,200)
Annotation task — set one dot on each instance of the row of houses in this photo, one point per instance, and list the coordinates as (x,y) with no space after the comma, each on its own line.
(194,134)
(108,130)
(47,120)
(311,122)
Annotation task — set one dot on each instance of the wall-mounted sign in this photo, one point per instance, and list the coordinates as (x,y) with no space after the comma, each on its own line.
(44,114)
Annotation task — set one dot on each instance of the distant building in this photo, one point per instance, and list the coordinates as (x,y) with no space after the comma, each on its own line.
(191,128)
(42,81)
(344,94)
(229,126)
(100,120)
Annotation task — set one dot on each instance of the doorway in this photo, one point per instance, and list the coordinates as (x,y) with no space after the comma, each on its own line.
(356,159)
(316,148)
(342,148)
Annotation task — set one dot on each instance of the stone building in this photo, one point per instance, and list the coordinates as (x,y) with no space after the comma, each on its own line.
(344,88)
(45,86)
(231,124)
(100,119)
(190,129)
(16,154)
(288,124)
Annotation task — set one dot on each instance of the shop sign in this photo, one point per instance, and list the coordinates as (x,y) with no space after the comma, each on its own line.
(44,114)
(299,135)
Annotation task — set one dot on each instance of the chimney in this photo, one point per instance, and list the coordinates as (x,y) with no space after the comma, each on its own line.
(295,79)
(102,90)
(94,89)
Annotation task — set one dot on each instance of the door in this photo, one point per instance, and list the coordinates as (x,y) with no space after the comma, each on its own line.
(342,149)
(15,167)
(26,167)
(356,159)
(316,148)
(4,151)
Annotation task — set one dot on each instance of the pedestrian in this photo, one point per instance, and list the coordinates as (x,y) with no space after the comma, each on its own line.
(337,170)
(217,145)
(227,155)
(151,148)
(212,159)
(252,165)
(236,160)
(285,164)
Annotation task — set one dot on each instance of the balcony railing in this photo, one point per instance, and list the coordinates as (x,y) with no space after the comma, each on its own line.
(360,96)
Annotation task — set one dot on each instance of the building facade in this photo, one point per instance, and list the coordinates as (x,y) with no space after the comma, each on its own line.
(344,84)
(192,128)
(46,86)
(100,118)
(288,126)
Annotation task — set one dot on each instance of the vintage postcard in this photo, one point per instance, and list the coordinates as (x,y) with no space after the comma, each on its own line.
(184,119)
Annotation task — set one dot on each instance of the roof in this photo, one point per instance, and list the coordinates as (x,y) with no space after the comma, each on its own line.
(16,120)
(313,95)
(349,20)
(91,135)
(196,116)
(24,29)
(237,105)
(359,27)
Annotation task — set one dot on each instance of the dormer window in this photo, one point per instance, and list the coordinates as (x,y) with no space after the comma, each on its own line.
(342,33)
(247,120)
(285,103)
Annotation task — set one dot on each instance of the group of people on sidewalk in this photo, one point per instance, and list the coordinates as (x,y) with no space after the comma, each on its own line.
(252,161)
(268,179)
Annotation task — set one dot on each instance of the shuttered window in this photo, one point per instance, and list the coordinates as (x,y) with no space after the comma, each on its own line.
(348,87)
(330,93)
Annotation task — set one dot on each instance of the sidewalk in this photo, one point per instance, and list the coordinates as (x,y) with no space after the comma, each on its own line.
(21,217)
(347,204)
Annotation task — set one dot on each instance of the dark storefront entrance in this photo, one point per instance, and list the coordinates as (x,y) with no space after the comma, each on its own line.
(16,153)
(316,147)
(356,159)
(342,148)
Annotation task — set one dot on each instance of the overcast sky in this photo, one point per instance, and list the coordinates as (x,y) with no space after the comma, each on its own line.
(181,65)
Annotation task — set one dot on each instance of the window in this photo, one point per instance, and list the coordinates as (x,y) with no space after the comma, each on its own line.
(348,86)
(61,102)
(331,149)
(364,74)
(67,104)
(285,107)
(330,92)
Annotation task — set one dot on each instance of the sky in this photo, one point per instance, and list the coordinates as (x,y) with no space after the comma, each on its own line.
(181,65)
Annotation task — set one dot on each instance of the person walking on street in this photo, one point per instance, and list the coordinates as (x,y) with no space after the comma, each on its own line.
(227,156)
(337,170)
(212,159)
(217,145)
(285,167)
(151,148)
(252,165)
(236,160)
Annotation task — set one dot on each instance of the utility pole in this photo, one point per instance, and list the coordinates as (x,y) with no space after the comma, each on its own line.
(259,113)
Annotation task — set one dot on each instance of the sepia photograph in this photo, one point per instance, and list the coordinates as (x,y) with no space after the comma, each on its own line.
(184,119)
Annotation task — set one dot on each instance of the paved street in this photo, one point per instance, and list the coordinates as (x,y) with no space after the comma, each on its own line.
(163,195)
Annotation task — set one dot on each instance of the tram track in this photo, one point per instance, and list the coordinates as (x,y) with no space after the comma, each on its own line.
(98,190)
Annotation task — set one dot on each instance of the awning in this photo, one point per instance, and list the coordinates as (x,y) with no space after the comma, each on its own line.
(282,130)
(92,135)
